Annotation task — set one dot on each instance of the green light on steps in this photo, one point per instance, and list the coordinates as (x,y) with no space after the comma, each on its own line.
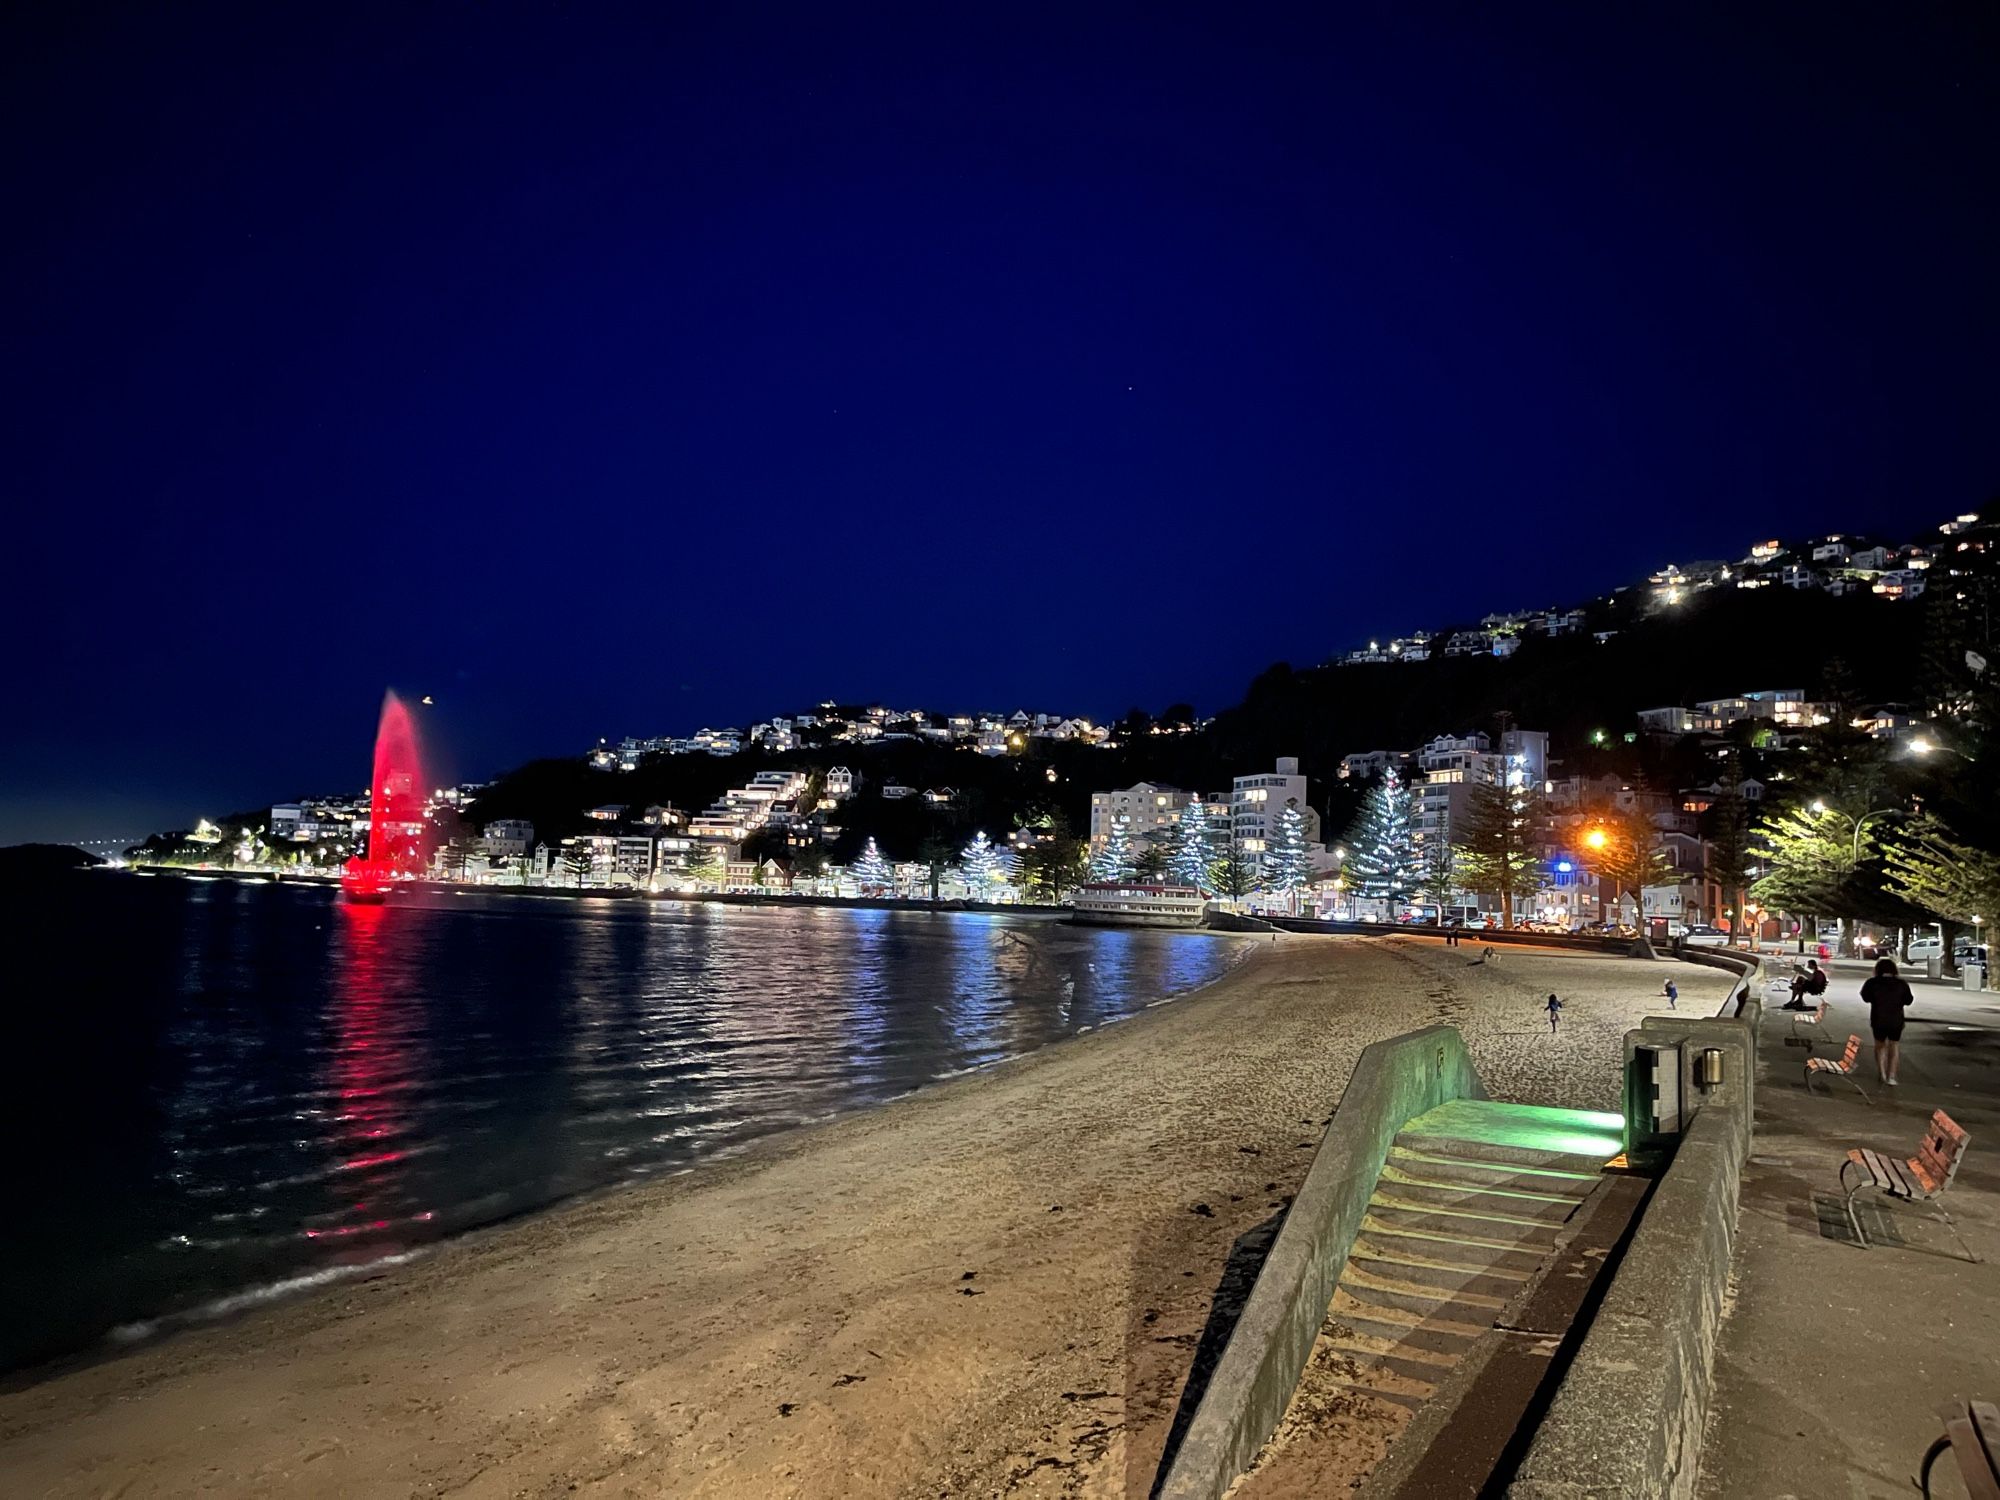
(1580,1132)
(1603,1147)
(1528,1127)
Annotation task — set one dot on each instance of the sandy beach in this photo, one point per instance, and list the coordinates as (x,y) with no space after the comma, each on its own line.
(993,1287)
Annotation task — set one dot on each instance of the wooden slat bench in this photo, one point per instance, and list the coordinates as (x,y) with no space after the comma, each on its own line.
(1842,1067)
(1922,1178)
(1815,1019)
(1972,1433)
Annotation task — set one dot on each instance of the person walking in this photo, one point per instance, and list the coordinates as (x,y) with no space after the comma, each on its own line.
(1888,997)
(1554,1008)
(1673,995)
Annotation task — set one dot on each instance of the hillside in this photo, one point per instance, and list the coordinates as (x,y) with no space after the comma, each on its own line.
(36,861)
(1720,643)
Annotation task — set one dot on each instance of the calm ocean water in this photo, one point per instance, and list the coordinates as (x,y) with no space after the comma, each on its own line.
(229,1090)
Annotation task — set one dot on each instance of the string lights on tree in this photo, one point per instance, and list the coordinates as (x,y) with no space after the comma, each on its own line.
(1382,861)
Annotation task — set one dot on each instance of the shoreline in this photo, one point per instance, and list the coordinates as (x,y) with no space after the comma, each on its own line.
(256,1298)
(620,893)
(993,1283)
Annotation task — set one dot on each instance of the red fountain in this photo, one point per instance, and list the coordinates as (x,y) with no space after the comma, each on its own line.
(395,809)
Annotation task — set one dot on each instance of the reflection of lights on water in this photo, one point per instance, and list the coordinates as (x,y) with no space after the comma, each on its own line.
(467,1064)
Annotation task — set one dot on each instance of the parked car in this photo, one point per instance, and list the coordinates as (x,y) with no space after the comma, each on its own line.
(1924,949)
(1706,937)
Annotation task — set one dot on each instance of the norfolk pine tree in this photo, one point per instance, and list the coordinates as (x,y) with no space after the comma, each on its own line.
(1496,850)
(1290,863)
(1114,860)
(871,870)
(1381,847)
(1187,858)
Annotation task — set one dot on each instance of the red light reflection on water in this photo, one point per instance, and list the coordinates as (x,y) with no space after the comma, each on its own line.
(367,1075)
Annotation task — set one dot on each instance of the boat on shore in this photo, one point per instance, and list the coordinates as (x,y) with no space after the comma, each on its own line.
(1118,903)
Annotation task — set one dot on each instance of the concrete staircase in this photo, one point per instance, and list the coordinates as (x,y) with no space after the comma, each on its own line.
(1464,1214)
(1472,1202)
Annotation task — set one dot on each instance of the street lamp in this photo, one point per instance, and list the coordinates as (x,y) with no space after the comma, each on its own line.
(1598,839)
(1921,746)
(1821,809)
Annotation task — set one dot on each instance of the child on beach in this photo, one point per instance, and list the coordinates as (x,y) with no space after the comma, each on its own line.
(1673,996)
(1554,1008)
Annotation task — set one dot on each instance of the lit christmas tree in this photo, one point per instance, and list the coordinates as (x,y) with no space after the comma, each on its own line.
(1188,859)
(979,865)
(1381,851)
(871,871)
(1115,860)
(1288,862)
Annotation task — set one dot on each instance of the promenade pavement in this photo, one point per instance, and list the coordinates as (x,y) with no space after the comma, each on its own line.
(1833,1358)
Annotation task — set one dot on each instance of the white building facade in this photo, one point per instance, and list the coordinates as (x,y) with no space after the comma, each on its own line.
(1258,802)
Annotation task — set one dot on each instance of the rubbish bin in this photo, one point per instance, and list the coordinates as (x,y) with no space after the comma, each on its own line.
(1972,976)
(1934,968)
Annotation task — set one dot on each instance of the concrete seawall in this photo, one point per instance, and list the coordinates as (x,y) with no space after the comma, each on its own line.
(1393,1082)
(1628,1417)
(1473,937)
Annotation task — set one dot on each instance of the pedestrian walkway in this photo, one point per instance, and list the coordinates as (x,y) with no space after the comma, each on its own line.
(1834,1359)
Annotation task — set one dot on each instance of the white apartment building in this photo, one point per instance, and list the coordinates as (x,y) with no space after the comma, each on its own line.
(1901,583)
(745,809)
(1258,802)
(1367,764)
(510,838)
(1666,721)
(633,856)
(1788,707)
(1454,764)
(1151,805)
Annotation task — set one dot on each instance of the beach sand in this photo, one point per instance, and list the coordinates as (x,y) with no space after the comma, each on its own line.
(993,1287)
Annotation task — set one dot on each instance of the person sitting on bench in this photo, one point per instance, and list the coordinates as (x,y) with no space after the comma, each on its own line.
(1810,981)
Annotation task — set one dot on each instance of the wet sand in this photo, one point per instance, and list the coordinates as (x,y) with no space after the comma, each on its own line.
(994,1287)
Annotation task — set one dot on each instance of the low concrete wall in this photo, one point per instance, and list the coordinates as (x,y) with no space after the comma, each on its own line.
(1233,921)
(1750,970)
(1471,937)
(1627,1420)
(1628,1417)
(1393,1082)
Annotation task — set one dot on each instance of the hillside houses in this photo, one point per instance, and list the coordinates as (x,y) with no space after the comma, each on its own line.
(1838,563)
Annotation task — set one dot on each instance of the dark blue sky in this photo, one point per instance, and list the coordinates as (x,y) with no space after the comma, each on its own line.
(611,373)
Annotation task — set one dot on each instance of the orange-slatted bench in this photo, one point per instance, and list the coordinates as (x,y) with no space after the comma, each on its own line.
(1841,1067)
(1814,1018)
(1922,1178)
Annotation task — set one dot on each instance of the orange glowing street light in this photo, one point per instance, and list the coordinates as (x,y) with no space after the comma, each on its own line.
(1597,838)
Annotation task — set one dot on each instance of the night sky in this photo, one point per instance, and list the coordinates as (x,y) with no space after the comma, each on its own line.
(608,372)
